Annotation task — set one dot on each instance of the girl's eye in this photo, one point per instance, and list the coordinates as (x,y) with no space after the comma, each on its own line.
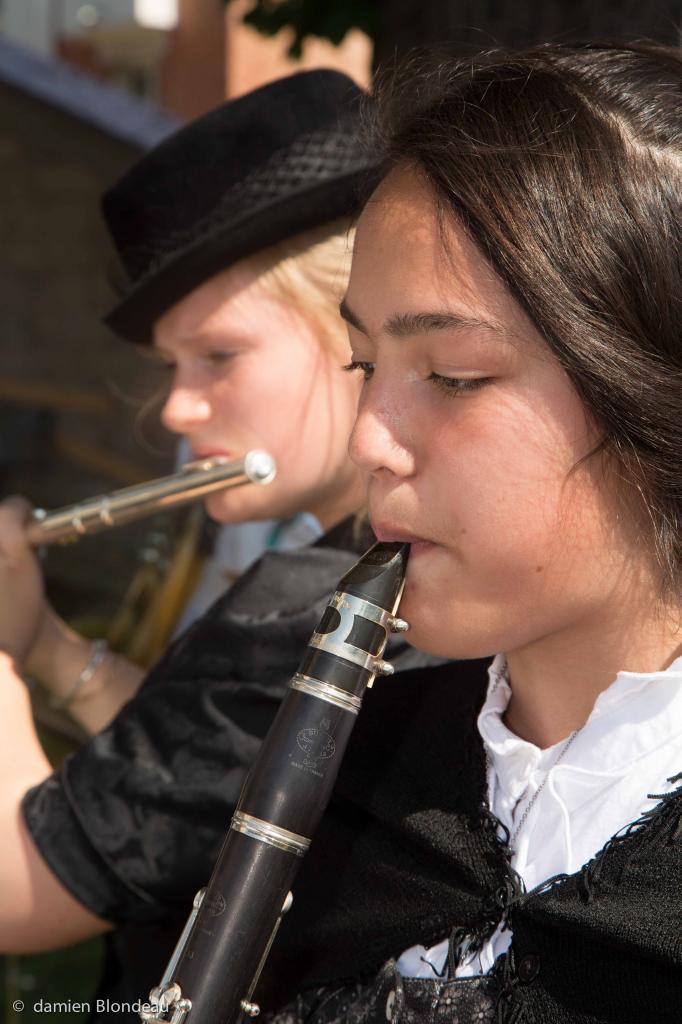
(450,385)
(367,369)
(453,386)
(218,358)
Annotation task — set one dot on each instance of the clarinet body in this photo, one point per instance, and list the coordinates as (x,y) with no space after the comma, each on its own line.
(213,972)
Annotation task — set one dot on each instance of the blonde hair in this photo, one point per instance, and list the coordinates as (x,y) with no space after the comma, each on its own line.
(310,271)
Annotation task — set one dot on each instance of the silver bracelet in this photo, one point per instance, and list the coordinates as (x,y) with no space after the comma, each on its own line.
(98,653)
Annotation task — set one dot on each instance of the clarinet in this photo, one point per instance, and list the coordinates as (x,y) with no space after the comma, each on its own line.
(213,972)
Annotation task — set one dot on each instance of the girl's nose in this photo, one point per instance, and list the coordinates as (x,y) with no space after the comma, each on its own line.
(185,408)
(378,440)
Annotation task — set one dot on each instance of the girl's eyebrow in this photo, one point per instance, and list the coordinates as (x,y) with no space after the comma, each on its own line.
(350,317)
(405,325)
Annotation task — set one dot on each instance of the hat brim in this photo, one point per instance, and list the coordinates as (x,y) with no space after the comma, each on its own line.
(133,317)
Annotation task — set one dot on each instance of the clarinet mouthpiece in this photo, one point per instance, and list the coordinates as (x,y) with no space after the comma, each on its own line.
(379,575)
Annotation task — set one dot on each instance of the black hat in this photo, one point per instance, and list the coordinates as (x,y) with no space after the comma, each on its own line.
(253,172)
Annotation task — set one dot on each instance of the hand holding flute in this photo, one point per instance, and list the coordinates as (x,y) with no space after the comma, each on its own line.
(40,642)
(23,605)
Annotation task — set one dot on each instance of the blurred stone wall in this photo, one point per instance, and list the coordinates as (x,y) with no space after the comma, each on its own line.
(71,395)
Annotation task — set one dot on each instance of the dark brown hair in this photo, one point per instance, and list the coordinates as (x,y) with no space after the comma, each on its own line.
(565,165)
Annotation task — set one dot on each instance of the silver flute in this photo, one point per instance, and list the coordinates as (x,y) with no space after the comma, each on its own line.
(195,480)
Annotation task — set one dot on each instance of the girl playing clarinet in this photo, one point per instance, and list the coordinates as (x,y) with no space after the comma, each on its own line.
(512,828)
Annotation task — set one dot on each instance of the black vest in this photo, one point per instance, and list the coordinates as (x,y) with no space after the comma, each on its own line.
(409,852)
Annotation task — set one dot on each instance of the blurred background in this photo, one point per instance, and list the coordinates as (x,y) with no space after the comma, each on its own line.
(85,88)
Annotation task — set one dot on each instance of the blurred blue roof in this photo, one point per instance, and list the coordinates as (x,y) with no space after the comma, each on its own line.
(112,110)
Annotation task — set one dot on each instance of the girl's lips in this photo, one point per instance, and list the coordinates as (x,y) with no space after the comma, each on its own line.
(210,453)
(387,534)
(416,546)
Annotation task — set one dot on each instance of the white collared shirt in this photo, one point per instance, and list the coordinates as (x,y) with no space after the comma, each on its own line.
(630,746)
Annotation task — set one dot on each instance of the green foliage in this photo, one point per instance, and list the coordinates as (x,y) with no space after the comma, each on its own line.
(328,19)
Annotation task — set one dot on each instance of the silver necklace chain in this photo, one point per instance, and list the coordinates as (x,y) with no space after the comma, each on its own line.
(529,806)
(503,676)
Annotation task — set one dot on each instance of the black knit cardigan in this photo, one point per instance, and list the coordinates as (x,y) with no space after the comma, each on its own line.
(409,851)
